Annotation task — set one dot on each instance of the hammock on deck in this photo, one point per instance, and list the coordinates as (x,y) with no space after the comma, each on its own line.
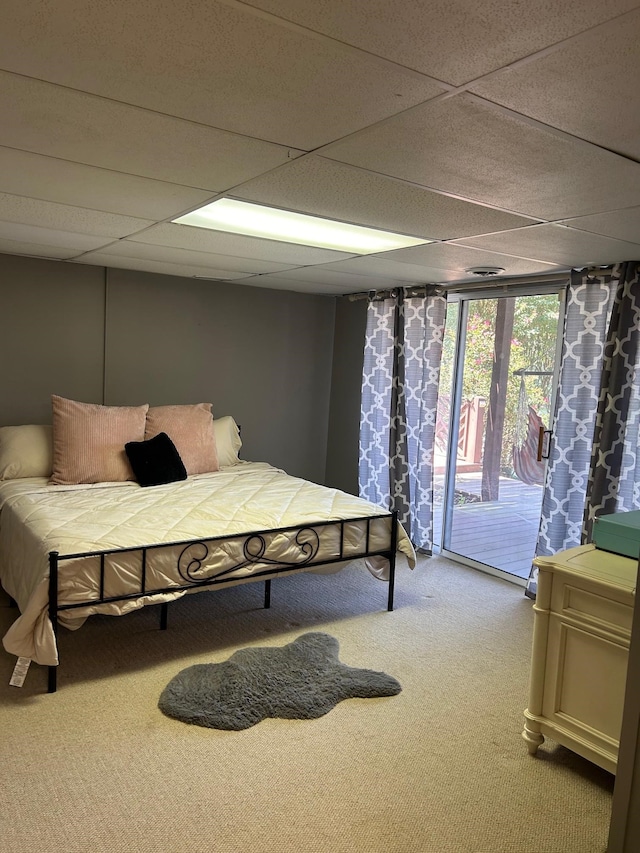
(525,448)
(525,456)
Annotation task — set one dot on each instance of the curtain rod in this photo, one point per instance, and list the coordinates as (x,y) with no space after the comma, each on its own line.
(410,290)
(484,284)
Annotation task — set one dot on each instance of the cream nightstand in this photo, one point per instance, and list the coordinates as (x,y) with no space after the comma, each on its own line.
(581,632)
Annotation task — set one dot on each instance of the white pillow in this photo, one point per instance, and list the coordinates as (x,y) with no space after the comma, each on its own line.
(26,451)
(228,442)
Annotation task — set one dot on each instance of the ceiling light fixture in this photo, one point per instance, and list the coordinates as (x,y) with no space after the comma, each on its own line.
(484,271)
(270,223)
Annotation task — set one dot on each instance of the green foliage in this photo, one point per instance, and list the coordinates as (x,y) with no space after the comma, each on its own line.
(532,348)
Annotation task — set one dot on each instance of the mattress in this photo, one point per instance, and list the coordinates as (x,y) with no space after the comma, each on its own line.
(36,518)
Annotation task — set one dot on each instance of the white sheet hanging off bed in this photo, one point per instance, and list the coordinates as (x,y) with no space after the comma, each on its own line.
(36,518)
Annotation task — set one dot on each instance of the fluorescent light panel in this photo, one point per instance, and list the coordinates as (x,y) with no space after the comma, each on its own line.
(270,223)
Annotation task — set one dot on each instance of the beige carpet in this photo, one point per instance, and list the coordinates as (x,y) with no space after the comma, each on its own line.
(440,768)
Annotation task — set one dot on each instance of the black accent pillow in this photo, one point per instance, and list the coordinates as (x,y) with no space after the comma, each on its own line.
(155,461)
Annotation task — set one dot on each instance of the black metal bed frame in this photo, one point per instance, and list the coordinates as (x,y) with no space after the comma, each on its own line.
(255,547)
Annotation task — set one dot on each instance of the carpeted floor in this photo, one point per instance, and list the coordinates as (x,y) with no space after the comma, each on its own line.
(439,768)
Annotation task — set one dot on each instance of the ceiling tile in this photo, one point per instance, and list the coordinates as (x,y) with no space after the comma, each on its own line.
(50,237)
(75,184)
(382,266)
(328,188)
(155,266)
(581,87)
(278,282)
(470,148)
(456,259)
(38,250)
(622,224)
(219,242)
(560,243)
(229,68)
(453,40)
(188,257)
(104,133)
(447,262)
(351,281)
(63,217)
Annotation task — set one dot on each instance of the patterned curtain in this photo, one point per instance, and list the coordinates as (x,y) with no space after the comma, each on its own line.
(402,353)
(614,482)
(590,358)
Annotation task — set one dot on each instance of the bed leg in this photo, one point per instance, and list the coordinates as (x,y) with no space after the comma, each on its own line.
(392,558)
(392,579)
(267,594)
(53,615)
(164,614)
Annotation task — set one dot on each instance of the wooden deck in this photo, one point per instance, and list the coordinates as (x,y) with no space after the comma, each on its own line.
(501,533)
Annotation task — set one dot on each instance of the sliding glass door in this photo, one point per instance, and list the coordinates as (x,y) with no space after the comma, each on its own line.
(496,397)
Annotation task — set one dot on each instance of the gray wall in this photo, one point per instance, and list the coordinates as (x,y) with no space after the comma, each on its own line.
(52,339)
(346,384)
(120,337)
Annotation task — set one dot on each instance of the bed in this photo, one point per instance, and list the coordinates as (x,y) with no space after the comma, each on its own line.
(69,550)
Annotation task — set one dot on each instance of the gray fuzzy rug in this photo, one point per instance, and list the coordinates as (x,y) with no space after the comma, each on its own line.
(302,680)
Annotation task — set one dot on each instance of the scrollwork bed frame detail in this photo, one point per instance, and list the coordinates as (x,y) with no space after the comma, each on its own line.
(308,551)
(254,546)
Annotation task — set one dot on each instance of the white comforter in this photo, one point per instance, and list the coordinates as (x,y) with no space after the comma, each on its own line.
(36,518)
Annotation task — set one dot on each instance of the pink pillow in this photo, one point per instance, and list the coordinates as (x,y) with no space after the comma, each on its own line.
(190,428)
(89,440)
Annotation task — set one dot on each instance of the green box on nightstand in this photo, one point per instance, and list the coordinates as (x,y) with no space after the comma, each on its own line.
(618,532)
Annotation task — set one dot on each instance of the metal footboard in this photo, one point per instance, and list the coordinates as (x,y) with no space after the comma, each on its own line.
(257,560)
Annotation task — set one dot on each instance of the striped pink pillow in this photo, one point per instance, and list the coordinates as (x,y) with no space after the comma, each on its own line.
(190,428)
(89,440)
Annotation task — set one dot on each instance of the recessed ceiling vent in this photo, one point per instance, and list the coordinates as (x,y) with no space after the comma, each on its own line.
(484,272)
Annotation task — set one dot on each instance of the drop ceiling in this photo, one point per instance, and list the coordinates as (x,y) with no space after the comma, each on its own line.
(506,133)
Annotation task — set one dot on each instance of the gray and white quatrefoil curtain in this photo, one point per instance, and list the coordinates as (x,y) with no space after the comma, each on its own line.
(402,353)
(614,472)
(594,463)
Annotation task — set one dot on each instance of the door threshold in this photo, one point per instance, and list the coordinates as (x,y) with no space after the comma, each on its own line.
(482,567)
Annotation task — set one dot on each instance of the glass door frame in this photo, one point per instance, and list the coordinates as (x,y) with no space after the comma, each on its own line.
(463,296)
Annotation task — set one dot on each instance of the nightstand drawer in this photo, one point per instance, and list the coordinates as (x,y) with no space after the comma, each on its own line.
(594,608)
